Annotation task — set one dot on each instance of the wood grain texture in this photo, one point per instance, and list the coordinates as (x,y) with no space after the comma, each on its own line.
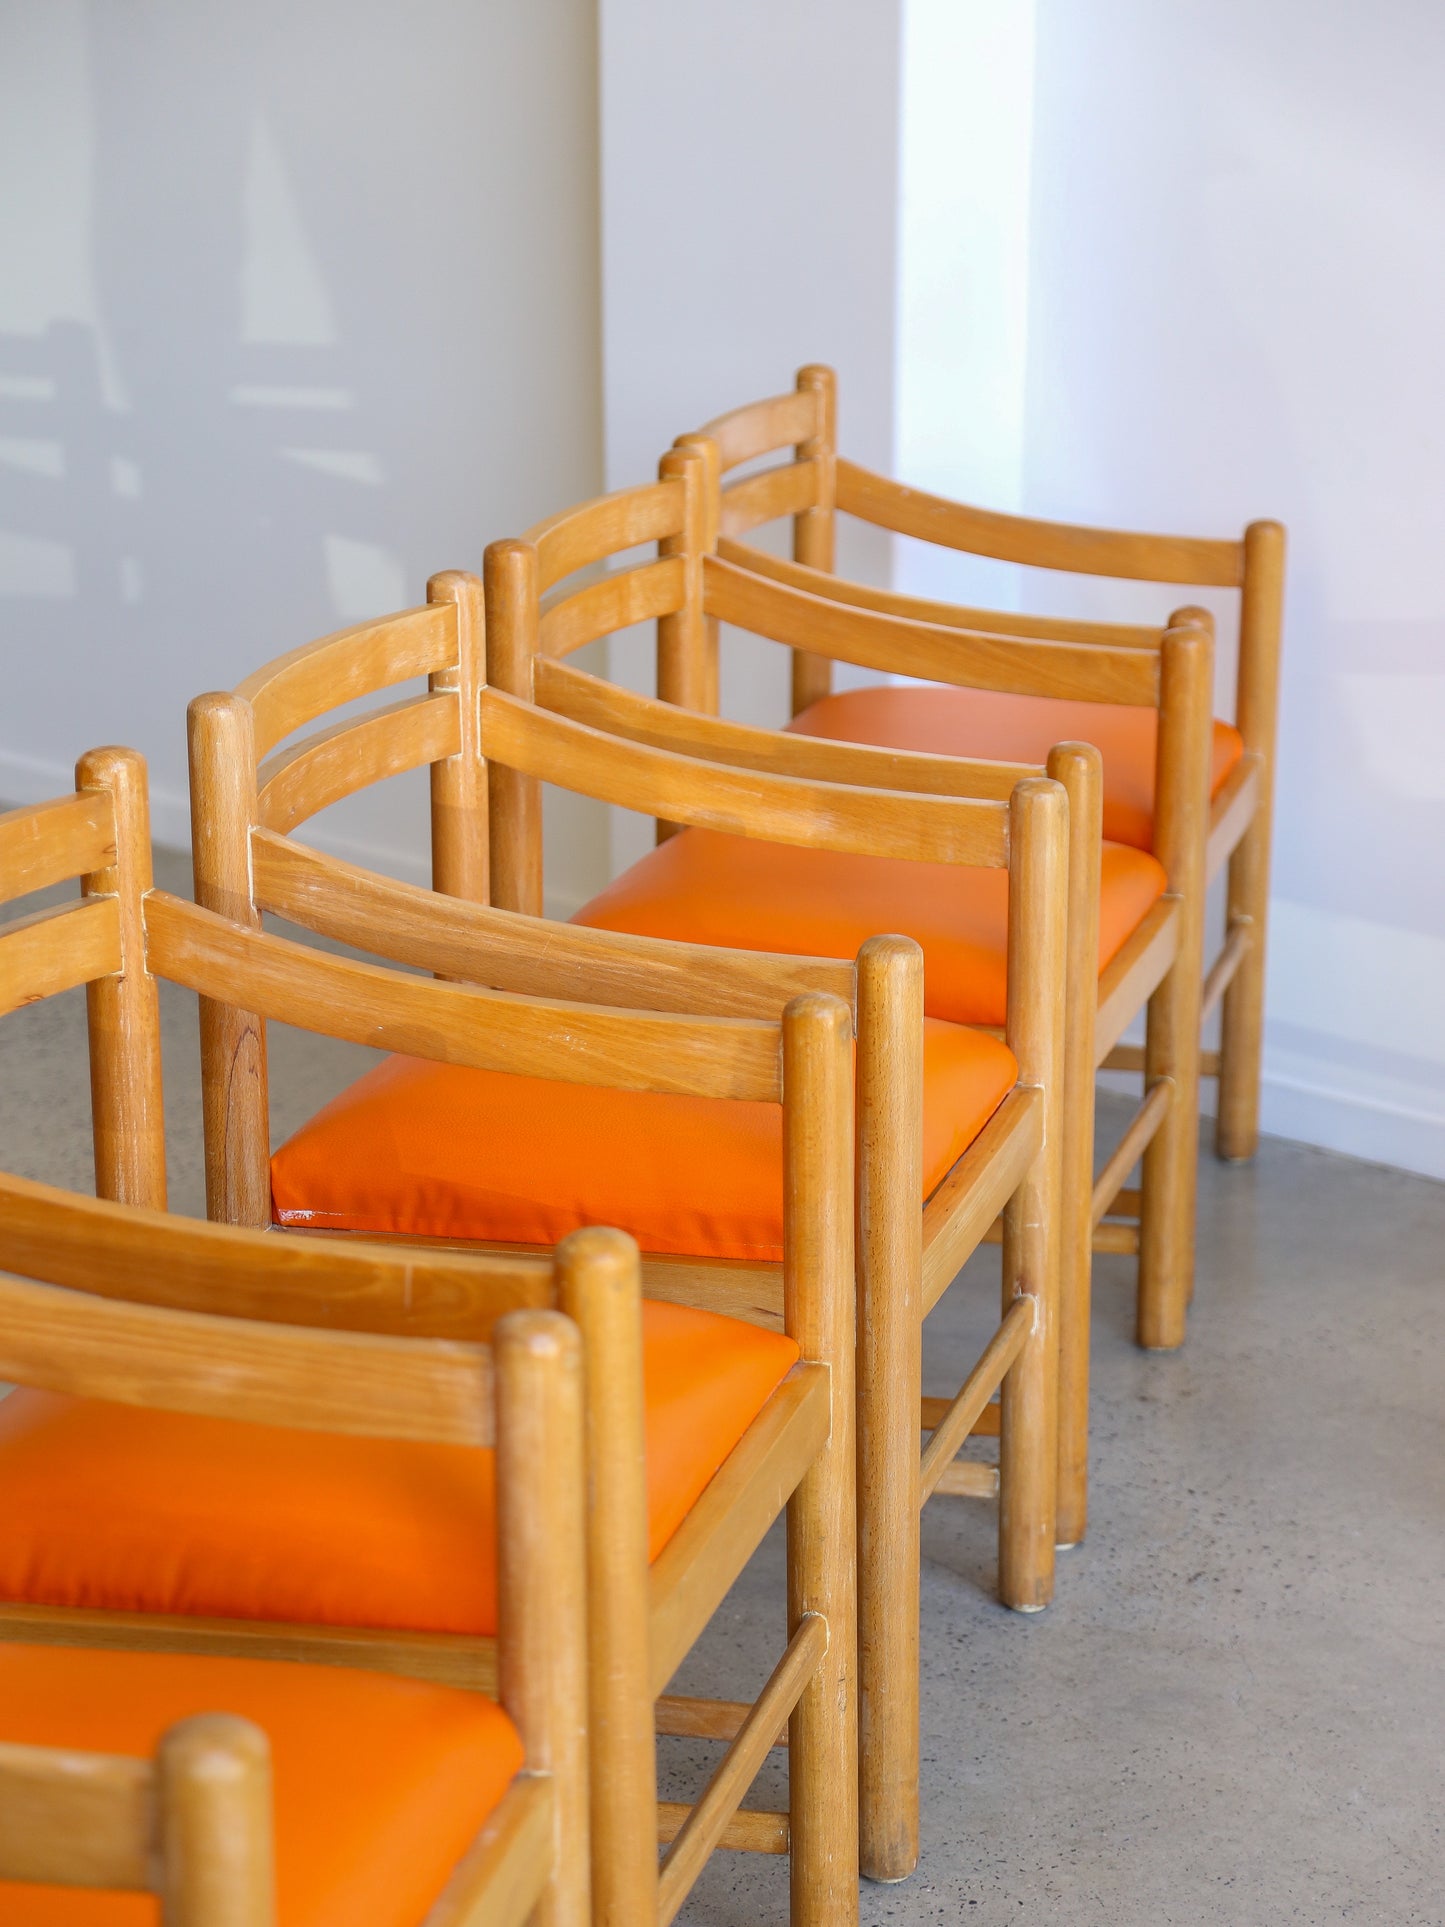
(362,1383)
(621,712)
(533,955)
(297,783)
(75,1819)
(48,843)
(950,615)
(149,1257)
(235,1092)
(606,525)
(460,1024)
(1041,545)
(640,594)
(779,809)
(1261,630)
(293,690)
(50,951)
(760,427)
(934,652)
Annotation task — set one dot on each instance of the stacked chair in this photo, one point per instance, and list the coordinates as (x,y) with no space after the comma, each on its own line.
(191,1530)
(352,1541)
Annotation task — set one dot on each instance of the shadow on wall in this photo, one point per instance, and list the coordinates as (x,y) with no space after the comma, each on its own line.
(299,309)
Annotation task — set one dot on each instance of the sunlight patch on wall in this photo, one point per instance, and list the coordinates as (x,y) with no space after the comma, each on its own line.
(283,292)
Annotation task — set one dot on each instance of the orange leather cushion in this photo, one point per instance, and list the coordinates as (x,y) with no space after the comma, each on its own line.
(705,887)
(115,1507)
(1019,729)
(433,1150)
(380,1784)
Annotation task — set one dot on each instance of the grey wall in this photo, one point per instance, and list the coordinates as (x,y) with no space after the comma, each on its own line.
(298,303)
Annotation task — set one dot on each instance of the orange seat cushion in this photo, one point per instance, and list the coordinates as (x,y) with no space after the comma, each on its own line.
(129,1510)
(705,887)
(434,1150)
(380,1785)
(1019,729)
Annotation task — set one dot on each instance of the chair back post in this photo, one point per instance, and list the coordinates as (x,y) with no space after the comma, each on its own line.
(235,1098)
(213,1785)
(687,639)
(889,1233)
(509,571)
(815,528)
(123,1011)
(600,1285)
(818,1313)
(1261,618)
(1080,768)
(1028,1420)
(542,1582)
(1171,1048)
(460,863)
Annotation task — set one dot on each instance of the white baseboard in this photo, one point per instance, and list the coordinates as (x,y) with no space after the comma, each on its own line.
(1361,1124)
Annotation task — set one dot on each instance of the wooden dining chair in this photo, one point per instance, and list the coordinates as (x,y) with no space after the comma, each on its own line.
(701,1430)
(815,484)
(1135,923)
(399,1801)
(945,1115)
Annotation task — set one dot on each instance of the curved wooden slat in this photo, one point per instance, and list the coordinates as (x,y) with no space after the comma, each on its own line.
(607,525)
(55,950)
(775,809)
(1041,545)
(936,654)
(949,615)
(48,843)
(116,1251)
(296,688)
(532,955)
(758,427)
(239,1368)
(352,755)
(621,712)
(456,1023)
(787,489)
(616,602)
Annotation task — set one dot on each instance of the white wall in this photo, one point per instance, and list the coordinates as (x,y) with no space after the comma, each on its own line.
(1237,303)
(966,158)
(749,222)
(298,303)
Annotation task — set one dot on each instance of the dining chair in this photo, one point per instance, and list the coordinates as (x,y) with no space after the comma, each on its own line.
(953,1128)
(701,1430)
(815,484)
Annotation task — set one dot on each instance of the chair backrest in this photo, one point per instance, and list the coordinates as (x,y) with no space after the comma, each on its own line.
(130,1305)
(816,484)
(192,1824)
(99,836)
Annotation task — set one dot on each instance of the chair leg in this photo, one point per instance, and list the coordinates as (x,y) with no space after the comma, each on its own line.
(1076,1259)
(1170,1176)
(889,1253)
(823,1731)
(1028,1427)
(1236,1129)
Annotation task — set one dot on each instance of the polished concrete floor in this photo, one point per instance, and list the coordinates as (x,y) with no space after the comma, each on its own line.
(1235,1710)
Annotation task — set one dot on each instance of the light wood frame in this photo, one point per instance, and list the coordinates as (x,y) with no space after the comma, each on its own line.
(797,1454)
(689,589)
(125,1310)
(816,484)
(906,1259)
